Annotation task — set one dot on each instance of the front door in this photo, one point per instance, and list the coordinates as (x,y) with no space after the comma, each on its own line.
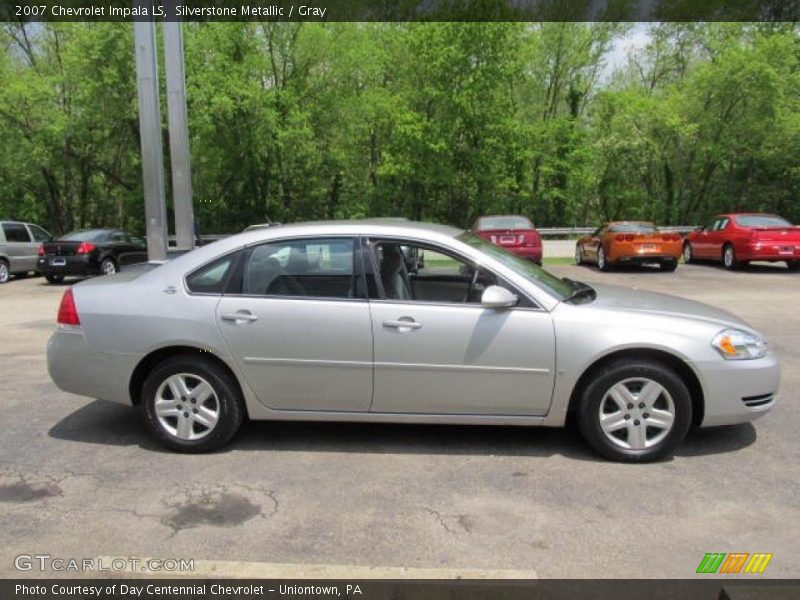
(438,351)
(21,250)
(299,327)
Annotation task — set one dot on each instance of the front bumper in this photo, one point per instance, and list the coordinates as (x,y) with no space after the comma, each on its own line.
(75,368)
(73,265)
(738,391)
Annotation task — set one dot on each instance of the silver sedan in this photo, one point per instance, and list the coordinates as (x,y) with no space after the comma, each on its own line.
(395,321)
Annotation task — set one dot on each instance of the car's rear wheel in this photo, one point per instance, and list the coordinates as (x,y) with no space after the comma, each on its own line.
(108,266)
(687,253)
(668,265)
(729,260)
(602,261)
(192,404)
(635,411)
(793,265)
(54,278)
(578,255)
(3,271)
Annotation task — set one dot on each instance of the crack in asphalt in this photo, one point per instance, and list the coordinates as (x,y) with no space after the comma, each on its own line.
(460,522)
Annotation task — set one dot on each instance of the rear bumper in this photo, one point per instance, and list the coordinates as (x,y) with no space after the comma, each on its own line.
(75,368)
(643,258)
(533,253)
(769,251)
(738,391)
(73,265)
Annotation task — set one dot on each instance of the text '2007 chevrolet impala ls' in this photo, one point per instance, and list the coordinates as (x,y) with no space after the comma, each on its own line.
(392,321)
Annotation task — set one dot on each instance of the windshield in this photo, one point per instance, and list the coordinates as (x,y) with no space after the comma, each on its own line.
(556,286)
(485,223)
(632,228)
(89,235)
(762,221)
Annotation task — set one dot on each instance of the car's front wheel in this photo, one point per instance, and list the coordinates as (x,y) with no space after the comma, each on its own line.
(635,411)
(192,404)
(578,255)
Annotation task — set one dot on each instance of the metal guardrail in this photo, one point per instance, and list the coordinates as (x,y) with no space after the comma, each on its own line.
(545,232)
(579,231)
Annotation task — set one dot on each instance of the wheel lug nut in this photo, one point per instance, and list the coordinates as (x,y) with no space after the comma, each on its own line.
(627,417)
(180,407)
(641,404)
(183,398)
(194,401)
(186,414)
(636,422)
(646,415)
(630,406)
(194,410)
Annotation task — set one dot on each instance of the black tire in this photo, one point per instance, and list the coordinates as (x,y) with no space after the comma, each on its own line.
(668,265)
(228,396)
(108,266)
(54,278)
(594,394)
(793,265)
(602,261)
(729,261)
(688,254)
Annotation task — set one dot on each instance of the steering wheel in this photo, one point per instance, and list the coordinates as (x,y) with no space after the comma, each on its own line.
(473,282)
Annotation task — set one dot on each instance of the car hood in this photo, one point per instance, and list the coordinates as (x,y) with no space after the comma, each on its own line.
(632,299)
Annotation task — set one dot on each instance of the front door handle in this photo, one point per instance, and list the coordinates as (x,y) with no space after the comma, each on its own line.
(240,316)
(403,324)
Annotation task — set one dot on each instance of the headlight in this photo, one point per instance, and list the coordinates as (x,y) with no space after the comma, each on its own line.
(734,344)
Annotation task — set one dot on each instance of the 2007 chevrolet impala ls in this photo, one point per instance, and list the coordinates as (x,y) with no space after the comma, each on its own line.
(397,321)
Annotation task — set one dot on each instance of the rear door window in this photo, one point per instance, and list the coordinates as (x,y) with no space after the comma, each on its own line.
(16,232)
(313,268)
(39,234)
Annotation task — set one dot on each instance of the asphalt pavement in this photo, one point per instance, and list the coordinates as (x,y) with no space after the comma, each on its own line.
(80,478)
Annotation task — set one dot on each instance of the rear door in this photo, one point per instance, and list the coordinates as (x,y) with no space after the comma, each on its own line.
(20,248)
(702,244)
(126,252)
(298,324)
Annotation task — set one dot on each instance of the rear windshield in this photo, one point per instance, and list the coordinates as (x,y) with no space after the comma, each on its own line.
(90,235)
(632,228)
(485,223)
(761,221)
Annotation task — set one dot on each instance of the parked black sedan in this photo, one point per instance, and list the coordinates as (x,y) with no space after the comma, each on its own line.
(89,252)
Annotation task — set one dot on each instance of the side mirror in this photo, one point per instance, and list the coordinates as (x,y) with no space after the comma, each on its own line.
(495,296)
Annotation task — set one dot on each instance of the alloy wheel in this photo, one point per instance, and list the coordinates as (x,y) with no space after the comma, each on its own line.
(109,268)
(636,413)
(3,272)
(601,259)
(687,253)
(187,406)
(578,255)
(728,257)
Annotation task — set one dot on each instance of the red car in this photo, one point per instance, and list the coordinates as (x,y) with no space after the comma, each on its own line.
(736,239)
(512,232)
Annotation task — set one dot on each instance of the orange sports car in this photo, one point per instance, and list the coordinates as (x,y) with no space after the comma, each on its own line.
(629,242)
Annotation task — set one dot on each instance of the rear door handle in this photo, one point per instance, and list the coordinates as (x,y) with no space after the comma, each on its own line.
(403,324)
(242,315)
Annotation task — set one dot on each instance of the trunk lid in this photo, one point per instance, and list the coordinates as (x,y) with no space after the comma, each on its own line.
(61,248)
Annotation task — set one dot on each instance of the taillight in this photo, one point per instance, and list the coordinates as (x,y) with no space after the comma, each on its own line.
(67,311)
(619,237)
(676,237)
(85,248)
(629,237)
(41,250)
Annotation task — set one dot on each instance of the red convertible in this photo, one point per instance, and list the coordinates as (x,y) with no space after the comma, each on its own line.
(736,239)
